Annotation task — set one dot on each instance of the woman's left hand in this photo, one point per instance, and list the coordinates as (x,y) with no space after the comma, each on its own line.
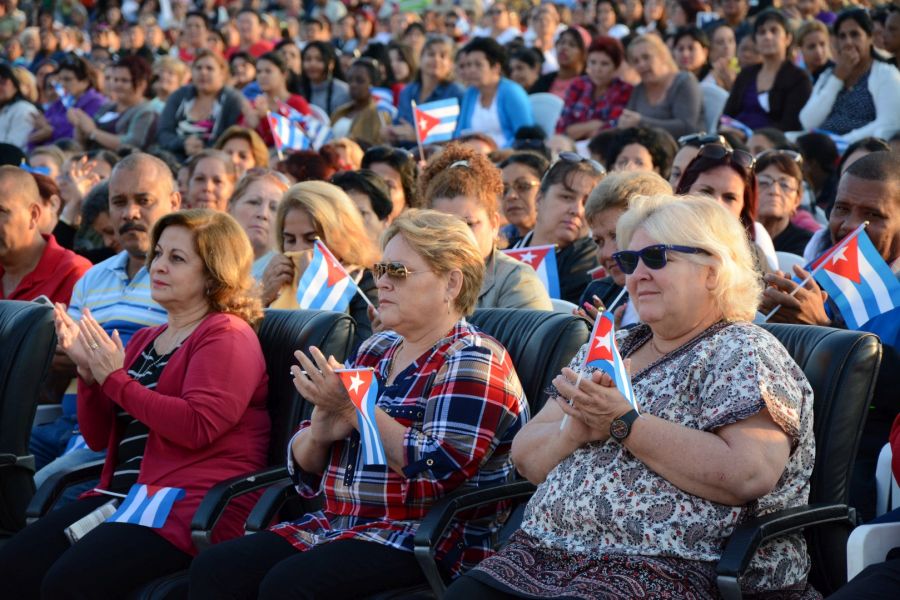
(595,403)
(107,354)
(320,385)
(629,118)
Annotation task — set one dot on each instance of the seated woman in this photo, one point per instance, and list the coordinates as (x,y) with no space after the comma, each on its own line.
(254,205)
(199,112)
(525,68)
(521,173)
(78,80)
(726,175)
(857,98)
(196,387)
(595,100)
(771,93)
(399,170)
(814,42)
(633,505)
(642,149)
(492,104)
(723,59)
(272,76)
(245,147)
(779,174)
(320,79)
(449,404)
(211,180)
(571,55)
(691,51)
(666,97)
(606,204)
(361,118)
(316,210)
(461,182)
(560,220)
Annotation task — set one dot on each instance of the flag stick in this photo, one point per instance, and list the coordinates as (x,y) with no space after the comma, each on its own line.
(364,297)
(616,301)
(418,137)
(793,293)
(277,139)
(562,424)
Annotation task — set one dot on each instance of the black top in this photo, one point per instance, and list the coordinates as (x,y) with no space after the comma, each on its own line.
(789,93)
(793,239)
(605,289)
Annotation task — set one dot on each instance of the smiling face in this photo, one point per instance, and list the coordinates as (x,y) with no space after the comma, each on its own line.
(255,212)
(484,227)
(519,202)
(437,62)
(603,232)
(177,274)
(724,185)
(211,185)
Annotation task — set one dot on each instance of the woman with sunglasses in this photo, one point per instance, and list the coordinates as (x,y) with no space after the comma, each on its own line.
(254,205)
(399,170)
(726,176)
(780,178)
(448,405)
(464,183)
(639,502)
(521,174)
(560,220)
(772,93)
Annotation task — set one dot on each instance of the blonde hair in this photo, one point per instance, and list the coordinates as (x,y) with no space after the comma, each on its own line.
(227,259)
(446,243)
(170,63)
(657,47)
(27,83)
(704,223)
(619,187)
(335,218)
(354,151)
(257,145)
(254,175)
(811,26)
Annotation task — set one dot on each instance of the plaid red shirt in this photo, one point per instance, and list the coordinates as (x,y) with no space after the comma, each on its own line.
(462,404)
(580,105)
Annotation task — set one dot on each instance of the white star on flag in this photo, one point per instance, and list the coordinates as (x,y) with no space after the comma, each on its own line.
(355,382)
(839,255)
(529,258)
(603,342)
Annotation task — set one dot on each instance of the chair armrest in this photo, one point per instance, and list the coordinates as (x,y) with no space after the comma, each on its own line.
(13,460)
(217,498)
(439,517)
(269,504)
(748,536)
(46,413)
(47,495)
(870,544)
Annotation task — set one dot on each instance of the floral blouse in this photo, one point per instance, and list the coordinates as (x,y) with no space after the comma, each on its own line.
(602,499)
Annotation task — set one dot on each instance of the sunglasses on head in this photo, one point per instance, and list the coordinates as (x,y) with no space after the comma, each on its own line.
(791,154)
(382,153)
(572,157)
(653,256)
(700,139)
(717,151)
(394,270)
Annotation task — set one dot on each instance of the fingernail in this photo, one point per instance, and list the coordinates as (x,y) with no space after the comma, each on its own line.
(587,305)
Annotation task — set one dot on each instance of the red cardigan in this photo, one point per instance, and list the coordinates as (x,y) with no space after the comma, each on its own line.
(207,419)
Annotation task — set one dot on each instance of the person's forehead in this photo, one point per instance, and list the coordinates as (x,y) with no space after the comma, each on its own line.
(143,180)
(856,191)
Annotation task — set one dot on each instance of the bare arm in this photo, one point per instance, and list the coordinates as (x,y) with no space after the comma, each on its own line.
(540,446)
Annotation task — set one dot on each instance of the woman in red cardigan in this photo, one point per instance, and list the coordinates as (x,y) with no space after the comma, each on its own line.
(194,389)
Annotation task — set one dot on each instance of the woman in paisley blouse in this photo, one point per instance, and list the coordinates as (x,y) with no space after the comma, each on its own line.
(635,505)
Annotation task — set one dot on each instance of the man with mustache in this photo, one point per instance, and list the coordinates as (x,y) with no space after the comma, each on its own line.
(115,291)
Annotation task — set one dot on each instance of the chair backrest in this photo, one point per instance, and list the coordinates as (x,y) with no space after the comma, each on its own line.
(714,99)
(841,367)
(786,260)
(562,306)
(546,109)
(27,341)
(540,344)
(281,333)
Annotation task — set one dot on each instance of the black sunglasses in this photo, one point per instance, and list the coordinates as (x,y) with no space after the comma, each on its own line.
(717,151)
(700,139)
(394,270)
(653,256)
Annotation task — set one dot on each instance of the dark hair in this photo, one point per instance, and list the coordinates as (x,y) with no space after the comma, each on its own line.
(869,144)
(614,5)
(370,184)
(492,50)
(691,8)
(859,15)
(95,203)
(881,166)
(137,68)
(782,162)
(332,71)
(702,164)
(274,58)
(197,14)
(609,46)
(249,10)
(529,56)
(693,32)
(406,54)
(242,54)
(562,172)
(413,27)
(661,151)
(820,149)
(79,67)
(532,160)
(401,161)
(573,33)
(772,14)
(308,165)
(600,144)
(7,73)
(372,67)
(776,136)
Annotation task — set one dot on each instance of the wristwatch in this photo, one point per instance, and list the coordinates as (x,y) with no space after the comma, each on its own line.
(620,427)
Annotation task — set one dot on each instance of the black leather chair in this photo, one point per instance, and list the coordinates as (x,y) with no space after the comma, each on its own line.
(27,341)
(842,367)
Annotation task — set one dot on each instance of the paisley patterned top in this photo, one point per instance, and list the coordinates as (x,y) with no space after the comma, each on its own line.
(603,500)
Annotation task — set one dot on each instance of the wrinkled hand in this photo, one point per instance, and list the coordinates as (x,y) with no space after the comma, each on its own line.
(327,427)
(320,385)
(591,406)
(590,310)
(107,354)
(193,145)
(69,340)
(629,118)
(806,306)
(278,273)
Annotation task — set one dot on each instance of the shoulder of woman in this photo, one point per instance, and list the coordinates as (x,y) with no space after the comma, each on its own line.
(474,343)
(225,324)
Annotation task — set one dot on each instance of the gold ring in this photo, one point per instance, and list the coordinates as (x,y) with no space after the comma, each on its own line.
(94,346)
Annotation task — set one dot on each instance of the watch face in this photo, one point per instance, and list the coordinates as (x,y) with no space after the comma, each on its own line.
(619,429)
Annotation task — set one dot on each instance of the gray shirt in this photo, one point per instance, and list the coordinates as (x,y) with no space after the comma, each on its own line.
(340,95)
(679,113)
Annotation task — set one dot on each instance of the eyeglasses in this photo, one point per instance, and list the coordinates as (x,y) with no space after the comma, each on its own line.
(520,186)
(791,154)
(740,158)
(700,139)
(765,183)
(394,270)
(653,256)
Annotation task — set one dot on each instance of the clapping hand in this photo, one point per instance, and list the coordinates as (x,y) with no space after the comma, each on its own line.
(68,335)
(591,405)
(316,381)
(107,354)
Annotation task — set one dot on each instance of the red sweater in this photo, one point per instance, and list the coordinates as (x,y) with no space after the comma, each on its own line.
(207,419)
(54,276)
(264,130)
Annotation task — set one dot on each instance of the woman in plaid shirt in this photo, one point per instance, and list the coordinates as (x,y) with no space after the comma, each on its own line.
(449,405)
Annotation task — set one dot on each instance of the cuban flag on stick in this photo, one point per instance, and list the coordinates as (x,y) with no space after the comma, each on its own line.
(325,284)
(543,260)
(436,121)
(319,133)
(147,505)
(286,133)
(363,390)
(858,280)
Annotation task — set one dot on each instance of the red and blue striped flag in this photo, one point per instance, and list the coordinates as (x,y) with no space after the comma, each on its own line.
(603,354)
(325,284)
(363,390)
(543,260)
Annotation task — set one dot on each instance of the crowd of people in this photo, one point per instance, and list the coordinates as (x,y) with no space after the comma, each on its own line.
(683,161)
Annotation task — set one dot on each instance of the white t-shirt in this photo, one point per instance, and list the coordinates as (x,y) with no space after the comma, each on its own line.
(487,121)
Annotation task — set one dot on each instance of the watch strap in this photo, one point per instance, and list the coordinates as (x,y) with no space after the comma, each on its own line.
(625,420)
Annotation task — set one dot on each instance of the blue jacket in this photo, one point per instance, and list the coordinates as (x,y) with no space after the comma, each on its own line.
(413,90)
(513,108)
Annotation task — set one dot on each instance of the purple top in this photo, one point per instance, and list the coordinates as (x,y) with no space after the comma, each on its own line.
(752,114)
(90,102)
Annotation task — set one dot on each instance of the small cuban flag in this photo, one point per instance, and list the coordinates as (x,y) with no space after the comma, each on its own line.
(436,121)
(384,101)
(147,505)
(325,284)
(543,260)
(363,390)
(857,279)
(732,123)
(286,133)
(319,133)
(604,355)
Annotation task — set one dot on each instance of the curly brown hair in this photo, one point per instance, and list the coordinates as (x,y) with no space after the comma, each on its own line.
(460,171)
(227,259)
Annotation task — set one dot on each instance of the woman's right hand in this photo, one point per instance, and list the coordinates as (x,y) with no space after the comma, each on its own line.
(327,427)
(71,342)
(193,145)
(279,273)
